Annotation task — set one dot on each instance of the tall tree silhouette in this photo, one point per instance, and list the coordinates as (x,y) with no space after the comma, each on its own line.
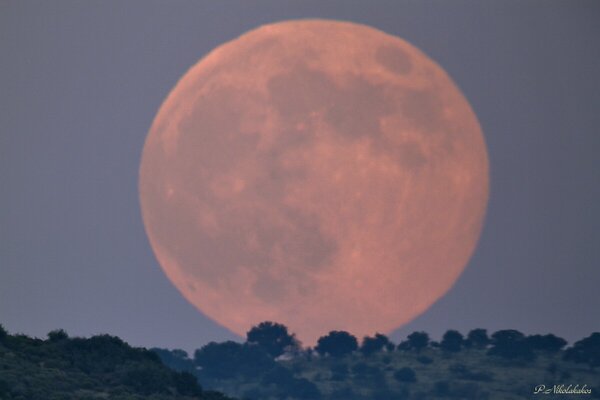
(375,344)
(452,341)
(511,344)
(477,338)
(417,341)
(336,344)
(274,338)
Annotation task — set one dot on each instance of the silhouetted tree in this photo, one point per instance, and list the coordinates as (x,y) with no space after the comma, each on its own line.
(51,370)
(477,338)
(3,333)
(336,344)
(549,343)
(273,338)
(103,353)
(403,346)
(57,335)
(175,359)
(585,351)
(289,386)
(452,341)
(511,344)
(417,340)
(375,344)
(230,359)
(186,384)
(148,379)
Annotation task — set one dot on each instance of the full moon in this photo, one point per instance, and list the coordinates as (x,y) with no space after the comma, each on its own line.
(320,174)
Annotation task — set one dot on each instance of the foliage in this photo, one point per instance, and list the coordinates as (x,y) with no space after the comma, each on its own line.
(511,344)
(417,341)
(586,351)
(176,359)
(548,342)
(422,372)
(102,366)
(231,359)
(477,338)
(63,368)
(3,333)
(336,344)
(375,344)
(452,341)
(273,338)
(57,335)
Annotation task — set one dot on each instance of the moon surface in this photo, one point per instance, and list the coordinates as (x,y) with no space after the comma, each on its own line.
(320,174)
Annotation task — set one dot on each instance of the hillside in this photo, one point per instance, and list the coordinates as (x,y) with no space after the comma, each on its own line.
(506,366)
(272,365)
(101,367)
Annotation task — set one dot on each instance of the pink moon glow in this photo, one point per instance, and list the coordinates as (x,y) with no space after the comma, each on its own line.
(320,174)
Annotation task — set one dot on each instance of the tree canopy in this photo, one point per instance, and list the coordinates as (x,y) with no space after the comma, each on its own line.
(103,366)
(511,344)
(337,344)
(230,359)
(452,341)
(375,344)
(586,351)
(273,338)
(477,338)
(416,341)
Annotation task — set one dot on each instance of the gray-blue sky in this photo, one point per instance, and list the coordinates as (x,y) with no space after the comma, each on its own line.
(81,81)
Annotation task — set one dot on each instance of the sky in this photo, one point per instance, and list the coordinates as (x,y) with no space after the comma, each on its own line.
(80,83)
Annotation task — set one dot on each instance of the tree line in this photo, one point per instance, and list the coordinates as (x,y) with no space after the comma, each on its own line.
(270,340)
(65,368)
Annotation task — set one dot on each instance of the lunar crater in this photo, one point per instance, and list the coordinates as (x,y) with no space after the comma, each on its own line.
(394,59)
